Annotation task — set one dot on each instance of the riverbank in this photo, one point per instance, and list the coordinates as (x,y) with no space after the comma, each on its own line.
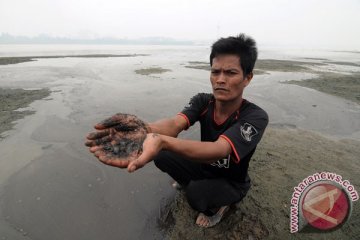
(13,99)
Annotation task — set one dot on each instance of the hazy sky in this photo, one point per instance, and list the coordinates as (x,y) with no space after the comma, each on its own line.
(324,23)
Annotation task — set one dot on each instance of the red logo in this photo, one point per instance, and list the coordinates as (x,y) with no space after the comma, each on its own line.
(325,206)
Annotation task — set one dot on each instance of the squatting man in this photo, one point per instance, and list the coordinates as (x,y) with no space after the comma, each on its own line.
(213,172)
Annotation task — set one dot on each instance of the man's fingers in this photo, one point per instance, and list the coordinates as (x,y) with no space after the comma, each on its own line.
(98,142)
(122,123)
(113,138)
(110,159)
(113,161)
(104,124)
(95,149)
(132,166)
(89,143)
(111,121)
(98,134)
(138,163)
(99,153)
(106,147)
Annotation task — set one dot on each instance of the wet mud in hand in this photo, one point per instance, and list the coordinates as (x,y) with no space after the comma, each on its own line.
(122,122)
(119,137)
(123,148)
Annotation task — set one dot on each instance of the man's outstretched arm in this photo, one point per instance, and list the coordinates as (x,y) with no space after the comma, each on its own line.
(169,126)
(204,152)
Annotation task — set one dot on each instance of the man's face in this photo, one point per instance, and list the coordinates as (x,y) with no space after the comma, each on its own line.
(227,78)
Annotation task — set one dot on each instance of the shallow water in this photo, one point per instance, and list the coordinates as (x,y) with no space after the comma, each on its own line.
(52,188)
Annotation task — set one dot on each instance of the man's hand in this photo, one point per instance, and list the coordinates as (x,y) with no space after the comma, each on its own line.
(120,124)
(118,140)
(151,147)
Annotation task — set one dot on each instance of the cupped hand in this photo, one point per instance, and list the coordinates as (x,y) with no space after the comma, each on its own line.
(152,145)
(118,140)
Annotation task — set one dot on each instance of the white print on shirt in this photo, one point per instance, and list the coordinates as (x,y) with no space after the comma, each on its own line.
(248,131)
(223,163)
(190,103)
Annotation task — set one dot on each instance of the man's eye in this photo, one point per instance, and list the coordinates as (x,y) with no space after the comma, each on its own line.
(231,73)
(215,72)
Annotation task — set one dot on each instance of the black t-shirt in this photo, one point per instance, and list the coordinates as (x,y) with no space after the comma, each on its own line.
(242,130)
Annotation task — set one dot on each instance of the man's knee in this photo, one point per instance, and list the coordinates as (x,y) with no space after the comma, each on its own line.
(205,194)
(195,195)
(161,159)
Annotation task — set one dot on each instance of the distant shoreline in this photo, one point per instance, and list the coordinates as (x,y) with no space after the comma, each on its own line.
(15,60)
(44,39)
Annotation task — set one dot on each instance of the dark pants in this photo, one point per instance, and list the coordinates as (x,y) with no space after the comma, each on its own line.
(204,190)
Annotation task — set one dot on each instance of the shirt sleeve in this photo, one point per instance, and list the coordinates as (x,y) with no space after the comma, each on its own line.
(246,133)
(197,105)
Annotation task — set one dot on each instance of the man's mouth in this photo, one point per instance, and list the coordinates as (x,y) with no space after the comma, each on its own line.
(220,89)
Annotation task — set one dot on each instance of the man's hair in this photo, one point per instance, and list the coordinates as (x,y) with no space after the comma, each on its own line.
(242,46)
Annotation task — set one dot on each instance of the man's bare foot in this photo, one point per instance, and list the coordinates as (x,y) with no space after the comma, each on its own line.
(210,221)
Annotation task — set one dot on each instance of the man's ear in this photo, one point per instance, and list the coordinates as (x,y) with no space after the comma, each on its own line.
(248,78)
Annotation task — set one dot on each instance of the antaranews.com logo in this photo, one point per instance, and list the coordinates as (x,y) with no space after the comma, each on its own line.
(322,201)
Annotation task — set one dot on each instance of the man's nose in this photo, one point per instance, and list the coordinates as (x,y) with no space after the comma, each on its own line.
(221,78)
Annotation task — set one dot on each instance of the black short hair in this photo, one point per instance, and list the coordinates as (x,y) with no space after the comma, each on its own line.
(242,46)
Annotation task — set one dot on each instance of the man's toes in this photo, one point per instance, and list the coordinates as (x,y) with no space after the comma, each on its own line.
(202,220)
(205,222)
(198,219)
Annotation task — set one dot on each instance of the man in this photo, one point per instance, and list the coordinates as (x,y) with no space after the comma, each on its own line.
(213,171)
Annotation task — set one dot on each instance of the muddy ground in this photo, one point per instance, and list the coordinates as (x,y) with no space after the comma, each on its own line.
(283,159)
